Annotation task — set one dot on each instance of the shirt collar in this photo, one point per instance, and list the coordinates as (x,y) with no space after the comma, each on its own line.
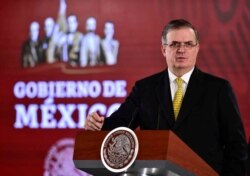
(185,77)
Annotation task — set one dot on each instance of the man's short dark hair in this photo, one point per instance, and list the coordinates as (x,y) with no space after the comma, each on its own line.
(177,24)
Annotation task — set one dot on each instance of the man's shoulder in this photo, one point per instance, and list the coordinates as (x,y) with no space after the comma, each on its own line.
(211,78)
(153,78)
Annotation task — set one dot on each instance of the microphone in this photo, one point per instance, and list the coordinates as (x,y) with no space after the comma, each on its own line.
(133,116)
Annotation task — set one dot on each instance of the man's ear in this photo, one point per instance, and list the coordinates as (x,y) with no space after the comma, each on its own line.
(163,48)
(198,46)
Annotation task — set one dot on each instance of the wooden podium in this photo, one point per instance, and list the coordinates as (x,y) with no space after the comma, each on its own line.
(161,152)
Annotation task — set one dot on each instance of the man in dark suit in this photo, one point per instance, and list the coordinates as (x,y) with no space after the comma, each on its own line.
(208,120)
(31,49)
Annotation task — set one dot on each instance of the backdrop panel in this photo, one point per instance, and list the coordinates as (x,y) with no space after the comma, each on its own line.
(44,100)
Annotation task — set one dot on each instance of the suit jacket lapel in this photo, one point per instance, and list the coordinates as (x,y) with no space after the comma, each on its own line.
(165,110)
(192,94)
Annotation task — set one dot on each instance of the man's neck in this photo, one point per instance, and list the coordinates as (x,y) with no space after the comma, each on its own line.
(180,72)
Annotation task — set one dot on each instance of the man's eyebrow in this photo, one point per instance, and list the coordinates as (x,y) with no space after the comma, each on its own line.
(182,42)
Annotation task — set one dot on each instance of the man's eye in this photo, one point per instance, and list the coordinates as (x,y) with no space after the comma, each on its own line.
(189,44)
(175,44)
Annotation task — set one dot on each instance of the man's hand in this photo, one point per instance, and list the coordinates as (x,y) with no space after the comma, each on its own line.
(94,122)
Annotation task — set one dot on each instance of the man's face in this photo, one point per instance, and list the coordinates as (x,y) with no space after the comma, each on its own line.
(183,58)
(91,24)
(34,31)
(49,26)
(72,23)
(109,30)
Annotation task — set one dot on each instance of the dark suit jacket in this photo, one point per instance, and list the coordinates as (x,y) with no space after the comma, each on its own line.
(209,121)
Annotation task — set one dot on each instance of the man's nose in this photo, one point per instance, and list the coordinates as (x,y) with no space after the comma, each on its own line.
(181,48)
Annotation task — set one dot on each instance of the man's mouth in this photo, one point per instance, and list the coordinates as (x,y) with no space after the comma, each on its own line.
(180,58)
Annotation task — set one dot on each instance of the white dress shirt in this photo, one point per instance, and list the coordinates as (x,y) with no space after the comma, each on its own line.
(173,84)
